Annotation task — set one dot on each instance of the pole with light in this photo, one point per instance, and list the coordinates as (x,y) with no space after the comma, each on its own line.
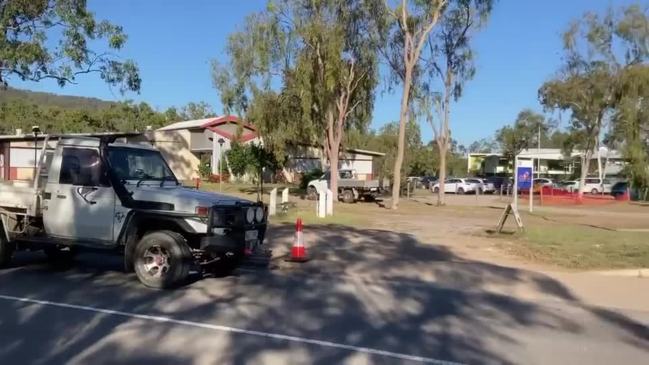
(221,141)
(35,131)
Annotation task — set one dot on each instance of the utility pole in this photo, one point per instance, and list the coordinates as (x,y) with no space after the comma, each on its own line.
(538,154)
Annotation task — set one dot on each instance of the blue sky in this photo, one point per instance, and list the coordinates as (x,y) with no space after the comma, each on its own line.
(174,41)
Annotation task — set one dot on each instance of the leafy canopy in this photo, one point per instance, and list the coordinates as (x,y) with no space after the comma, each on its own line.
(51,39)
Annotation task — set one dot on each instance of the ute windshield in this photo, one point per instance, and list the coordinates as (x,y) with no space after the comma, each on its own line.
(139,164)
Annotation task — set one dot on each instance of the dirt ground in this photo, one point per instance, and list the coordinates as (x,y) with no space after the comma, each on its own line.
(462,225)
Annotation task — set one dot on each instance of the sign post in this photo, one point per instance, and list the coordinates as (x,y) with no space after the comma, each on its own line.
(523,179)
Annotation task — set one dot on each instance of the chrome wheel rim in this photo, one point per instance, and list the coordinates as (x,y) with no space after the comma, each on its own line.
(156,261)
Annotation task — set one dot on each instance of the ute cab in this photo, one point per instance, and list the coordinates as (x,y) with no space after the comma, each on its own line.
(95,193)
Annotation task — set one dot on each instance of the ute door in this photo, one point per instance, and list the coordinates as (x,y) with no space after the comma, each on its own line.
(79,201)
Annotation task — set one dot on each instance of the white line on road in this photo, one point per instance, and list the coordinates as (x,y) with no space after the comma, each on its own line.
(214,327)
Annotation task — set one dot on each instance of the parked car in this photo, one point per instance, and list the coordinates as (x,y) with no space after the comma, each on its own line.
(428,181)
(488,187)
(568,185)
(415,182)
(595,185)
(498,182)
(454,185)
(542,181)
(620,188)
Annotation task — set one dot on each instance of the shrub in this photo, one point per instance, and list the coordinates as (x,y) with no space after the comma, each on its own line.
(204,170)
(216,178)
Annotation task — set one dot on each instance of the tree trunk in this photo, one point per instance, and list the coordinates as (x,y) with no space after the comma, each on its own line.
(333,169)
(441,198)
(333,146)
(403,119)
(585,164)
(443,138)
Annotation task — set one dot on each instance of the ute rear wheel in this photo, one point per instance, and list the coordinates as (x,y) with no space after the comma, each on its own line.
(162,260)
(348,196)
(594,191)
(436,190)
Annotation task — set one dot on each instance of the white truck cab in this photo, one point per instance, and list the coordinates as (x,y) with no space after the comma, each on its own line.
(94,193)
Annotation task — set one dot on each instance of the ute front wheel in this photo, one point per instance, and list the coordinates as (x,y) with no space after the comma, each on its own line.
(162,260)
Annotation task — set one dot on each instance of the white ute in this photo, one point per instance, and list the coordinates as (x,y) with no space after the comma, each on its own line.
(93,193)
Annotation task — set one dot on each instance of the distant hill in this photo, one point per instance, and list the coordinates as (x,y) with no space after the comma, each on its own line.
(49,99)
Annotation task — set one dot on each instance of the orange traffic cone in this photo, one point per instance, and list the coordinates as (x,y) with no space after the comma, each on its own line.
(298,251)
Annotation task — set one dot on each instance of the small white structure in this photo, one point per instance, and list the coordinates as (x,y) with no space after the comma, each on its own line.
(330,202)
(321,209)
(272,206)
(285,196)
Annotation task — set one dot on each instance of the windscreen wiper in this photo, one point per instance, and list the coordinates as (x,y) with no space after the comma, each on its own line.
(167,178)
(143,178)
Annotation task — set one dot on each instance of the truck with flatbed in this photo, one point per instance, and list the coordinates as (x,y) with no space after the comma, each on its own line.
(98,194)
(350,188)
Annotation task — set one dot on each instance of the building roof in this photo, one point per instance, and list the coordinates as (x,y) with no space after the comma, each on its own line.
(187,124)
(365,152)
(216,125)
(550,154)
(29,137)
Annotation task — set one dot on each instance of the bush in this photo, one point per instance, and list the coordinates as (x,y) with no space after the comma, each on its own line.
(308,176)
(204,170)
(216,178)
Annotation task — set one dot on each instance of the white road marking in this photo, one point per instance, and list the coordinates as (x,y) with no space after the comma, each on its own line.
(214,327)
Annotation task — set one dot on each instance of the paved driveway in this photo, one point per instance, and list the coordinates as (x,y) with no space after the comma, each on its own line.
(368,297)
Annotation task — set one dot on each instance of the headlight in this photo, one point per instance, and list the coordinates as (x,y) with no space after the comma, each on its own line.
(250,215)
(259,214)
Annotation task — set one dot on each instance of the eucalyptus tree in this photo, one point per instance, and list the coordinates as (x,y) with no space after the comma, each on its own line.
(406,30)
(304,70)
(51,39)
(451,65)
(599,51)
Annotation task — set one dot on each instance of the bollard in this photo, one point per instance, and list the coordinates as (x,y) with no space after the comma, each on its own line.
(330,202)
(285,196)
(321,206)
(272,206)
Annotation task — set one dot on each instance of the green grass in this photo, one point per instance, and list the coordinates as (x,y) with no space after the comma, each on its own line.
(582,247)
(340,217)
(305,209)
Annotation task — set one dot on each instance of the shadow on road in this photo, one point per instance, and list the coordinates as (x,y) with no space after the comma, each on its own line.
(365,288)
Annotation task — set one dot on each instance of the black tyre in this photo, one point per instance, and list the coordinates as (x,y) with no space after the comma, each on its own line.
(311,193)
(436,189)
(162,260)
(594,191)
(6,251)
(60,255)
(348,196)
(460,191)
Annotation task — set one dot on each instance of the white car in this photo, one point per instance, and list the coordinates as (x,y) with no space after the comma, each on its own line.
(487,186)
(569,185)
(542,181)
(458,186)
(596,185)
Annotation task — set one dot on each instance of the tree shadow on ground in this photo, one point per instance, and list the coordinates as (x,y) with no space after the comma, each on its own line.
(365,288)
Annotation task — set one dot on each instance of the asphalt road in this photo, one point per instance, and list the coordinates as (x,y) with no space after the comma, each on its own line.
(93,313)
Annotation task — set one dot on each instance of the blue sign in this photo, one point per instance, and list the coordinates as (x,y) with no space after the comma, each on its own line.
(524,175)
